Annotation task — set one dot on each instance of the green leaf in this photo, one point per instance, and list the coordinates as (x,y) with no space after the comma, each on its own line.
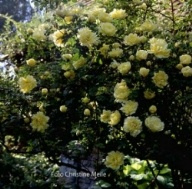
(100,61)
(103,184)
(161,179)
(136,166)
(137,177)
(127,169)
(165,170)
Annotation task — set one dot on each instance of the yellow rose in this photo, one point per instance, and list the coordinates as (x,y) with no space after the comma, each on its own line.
(154,124)
(141,55)
(104,50)
(124,67)
(114,118)
(148,94)
(143,39)
(186,71)
(179,66)
(129,107)
(63,108)
(87,37)
(44,91)
(69,74)
(39,122)
(114,64)
(158,47)
(79,63)
(148,63)
(104,17)
(39,34)
(147,26)
(121,91)
(63,11)
(143,72)
(116,45)
(118,14)
(85,100)
(105,116)
(131,39)
(94,13)
(132,57)
(160,79)
(87,112)
(31,62)
(132,125)
(152,109)
(114,160)
(68,19)
(116,52)
(185,59)
(26,84)
(58,37)
(107,29)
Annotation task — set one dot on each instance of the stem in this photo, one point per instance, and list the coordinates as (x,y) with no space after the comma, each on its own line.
(173,15)
(153,173)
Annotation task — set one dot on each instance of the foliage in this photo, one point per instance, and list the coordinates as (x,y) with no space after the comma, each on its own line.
(27,171)
(112,80)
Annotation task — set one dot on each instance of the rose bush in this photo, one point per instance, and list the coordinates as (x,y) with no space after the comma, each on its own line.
(113,76)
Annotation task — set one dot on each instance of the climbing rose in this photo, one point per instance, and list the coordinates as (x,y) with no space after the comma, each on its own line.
(121,91)
(160,79)
(132,125)
(87,37)
(154,124)
(26,84)
(114,160)
(39,122)
(107,28)
(129,107)
(158,47)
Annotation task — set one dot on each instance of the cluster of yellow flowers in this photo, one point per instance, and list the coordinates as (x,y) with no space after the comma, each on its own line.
(185,60)
(112,118)
(129,54)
